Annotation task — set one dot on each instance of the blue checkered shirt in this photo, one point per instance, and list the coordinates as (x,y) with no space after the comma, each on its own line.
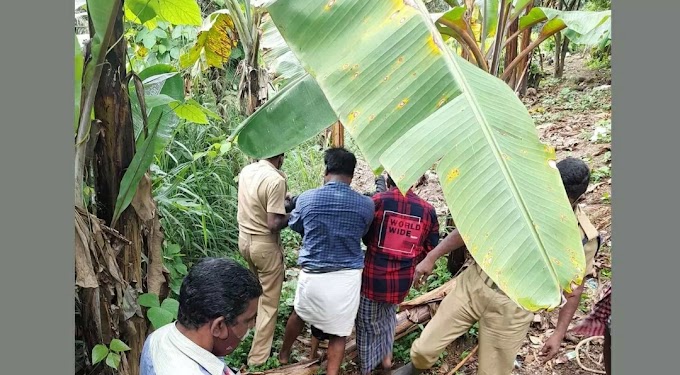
(332,220)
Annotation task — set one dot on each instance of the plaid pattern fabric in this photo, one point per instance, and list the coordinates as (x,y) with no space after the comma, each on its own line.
(596,322)
(331,219)
(375,325)
(404,229)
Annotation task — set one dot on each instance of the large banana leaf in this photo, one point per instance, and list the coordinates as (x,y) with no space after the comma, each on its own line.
(279,59)
(409,102)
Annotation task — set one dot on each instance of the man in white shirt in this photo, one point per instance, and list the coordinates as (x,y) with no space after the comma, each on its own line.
(217,307)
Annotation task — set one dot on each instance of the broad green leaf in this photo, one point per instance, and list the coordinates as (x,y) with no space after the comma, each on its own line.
(409,102)
(216,39)
(279,59)
(163,80)
(148,300)
(579,21)
(534,15)
(113,360)
(175,53)
(518,7)
(173,249)
(153,101)
(140,11)
(138,166)
(191,111)
(299,112)
(178,12)
(118,346)
(593,37)
(583,27)
(99,352)
(552,26)
(77,80)
(171,305)
(490,13)
(182,269)
(159,317)
(149,40)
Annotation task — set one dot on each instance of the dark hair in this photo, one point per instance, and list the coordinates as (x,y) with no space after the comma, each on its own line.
(340,161)
(390,181)
(575,176)
(213,288)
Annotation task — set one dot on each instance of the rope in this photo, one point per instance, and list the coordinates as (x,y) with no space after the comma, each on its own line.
(578,356)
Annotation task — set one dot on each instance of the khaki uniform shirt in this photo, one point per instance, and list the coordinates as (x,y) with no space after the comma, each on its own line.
(261,190)
(590,237)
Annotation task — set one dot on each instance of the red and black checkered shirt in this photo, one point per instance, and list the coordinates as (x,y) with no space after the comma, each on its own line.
(404,229)
(596,322)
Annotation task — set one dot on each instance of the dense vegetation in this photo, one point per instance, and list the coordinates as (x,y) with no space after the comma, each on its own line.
(193,165)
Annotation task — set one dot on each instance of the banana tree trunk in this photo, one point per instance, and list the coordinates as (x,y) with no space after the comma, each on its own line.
(111,273)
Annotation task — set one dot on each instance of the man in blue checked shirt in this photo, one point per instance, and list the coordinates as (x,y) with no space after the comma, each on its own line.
(332,220)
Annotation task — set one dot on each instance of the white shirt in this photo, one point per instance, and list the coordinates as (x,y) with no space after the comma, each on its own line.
(168,352)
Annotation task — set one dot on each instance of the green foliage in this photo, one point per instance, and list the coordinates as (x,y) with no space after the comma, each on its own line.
(600,174)
(173,261)
(159,314)
(162,44)
(597,5)
(304,166)
(602,132)
(402,347)
(440,275)
(600,60)
(393,119)
(176,12)
(109,354)
(197,197)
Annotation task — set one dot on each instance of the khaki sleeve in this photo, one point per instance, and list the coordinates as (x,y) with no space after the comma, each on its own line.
(276,196)
(590,249)
(592,239)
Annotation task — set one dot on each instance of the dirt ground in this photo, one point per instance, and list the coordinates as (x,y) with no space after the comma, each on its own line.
(567,113)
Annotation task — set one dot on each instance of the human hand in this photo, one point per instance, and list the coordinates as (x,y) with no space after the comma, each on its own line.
(423,271)
(550,348)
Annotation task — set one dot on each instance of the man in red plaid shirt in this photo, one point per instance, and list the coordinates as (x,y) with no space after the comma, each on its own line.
(598,323)
(404,229)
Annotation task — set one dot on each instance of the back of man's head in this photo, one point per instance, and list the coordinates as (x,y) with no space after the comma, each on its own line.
(216,287)
(339,161)
(390,182)
(575,177)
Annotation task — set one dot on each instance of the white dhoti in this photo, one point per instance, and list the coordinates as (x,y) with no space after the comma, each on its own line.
(329,301)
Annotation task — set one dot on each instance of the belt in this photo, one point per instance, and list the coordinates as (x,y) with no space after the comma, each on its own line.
(324,270)
(487,280)
(270,238)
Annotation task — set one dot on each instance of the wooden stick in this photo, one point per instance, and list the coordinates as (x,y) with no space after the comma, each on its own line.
(464,361)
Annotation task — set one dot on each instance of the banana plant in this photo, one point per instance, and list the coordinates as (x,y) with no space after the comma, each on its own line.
(382,69)
(219,36)
(481,23)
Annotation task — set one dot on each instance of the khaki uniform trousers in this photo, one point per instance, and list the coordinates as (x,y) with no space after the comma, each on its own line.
(503,325)
(264,255)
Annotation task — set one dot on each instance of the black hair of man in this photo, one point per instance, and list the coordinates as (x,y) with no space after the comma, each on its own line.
(575,176)
(339,161)
(390,182)
(213,288)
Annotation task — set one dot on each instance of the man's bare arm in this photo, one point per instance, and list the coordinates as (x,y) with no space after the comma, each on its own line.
(276,222)
(451,242)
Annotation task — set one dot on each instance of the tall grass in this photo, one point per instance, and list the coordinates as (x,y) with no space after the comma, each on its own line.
(196,191)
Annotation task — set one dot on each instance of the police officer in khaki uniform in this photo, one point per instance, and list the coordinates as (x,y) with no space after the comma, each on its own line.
(503,325)
(261,216)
